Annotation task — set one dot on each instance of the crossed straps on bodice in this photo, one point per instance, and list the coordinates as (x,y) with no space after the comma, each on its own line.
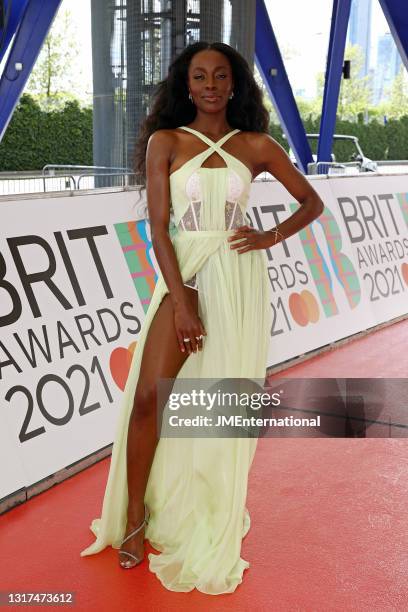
(213,147)
(189,222)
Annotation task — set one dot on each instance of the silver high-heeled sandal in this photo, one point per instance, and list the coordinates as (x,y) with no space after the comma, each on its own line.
(127,563)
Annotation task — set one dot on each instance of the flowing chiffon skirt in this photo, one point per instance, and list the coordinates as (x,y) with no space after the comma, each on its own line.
(197,487)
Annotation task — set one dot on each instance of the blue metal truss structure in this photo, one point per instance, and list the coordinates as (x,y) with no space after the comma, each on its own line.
(269,62)
(334,70)
(268,57)
(13,11)
(29,21)
(396,13)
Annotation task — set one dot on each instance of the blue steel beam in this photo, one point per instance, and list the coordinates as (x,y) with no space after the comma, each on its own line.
(267,56)
(396,13)
(33,29)
(13,10)
(334,70)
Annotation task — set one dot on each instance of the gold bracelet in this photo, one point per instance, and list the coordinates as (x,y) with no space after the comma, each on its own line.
(276,232)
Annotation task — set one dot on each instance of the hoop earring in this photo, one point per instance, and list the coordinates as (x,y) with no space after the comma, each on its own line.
(190,97)
(231,95)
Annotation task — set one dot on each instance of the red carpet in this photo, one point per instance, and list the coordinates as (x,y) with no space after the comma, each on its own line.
(329,529)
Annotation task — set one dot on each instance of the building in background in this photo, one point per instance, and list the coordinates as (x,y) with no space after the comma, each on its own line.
(388,65)
(359,30)
(388,60)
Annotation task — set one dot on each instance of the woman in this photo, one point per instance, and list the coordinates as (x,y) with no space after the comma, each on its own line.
(202,144)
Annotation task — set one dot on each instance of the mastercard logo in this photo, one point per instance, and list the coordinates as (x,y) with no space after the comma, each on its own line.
(119,363)
(304,307)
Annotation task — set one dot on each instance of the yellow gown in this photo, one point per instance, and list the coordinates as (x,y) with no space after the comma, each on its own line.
(197,487)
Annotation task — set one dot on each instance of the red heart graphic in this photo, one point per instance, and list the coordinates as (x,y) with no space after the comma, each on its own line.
(119,363)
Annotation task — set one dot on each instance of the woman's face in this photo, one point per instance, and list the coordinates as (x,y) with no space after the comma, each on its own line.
(210,80)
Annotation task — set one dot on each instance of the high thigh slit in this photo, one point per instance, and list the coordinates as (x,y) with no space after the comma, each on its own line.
(197,487)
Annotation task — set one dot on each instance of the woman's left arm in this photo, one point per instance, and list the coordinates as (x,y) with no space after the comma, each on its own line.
(280,166)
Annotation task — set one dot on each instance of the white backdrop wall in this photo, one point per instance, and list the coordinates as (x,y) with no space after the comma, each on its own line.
(77,274)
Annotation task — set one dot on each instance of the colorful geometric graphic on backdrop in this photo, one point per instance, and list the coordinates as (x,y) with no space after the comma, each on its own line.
(134,238)
(342,265)
(136,247)
(403,202)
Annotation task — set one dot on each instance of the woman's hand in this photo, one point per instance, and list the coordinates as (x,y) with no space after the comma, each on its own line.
(251,239)
(188,325)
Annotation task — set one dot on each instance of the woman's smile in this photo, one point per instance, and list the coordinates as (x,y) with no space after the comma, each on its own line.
(211,98)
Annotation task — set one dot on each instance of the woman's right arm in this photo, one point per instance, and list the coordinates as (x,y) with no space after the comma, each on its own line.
(158,156)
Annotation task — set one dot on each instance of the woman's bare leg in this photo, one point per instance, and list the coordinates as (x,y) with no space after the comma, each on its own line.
(161,358)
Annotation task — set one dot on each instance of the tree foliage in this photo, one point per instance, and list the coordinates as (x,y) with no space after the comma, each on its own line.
(55,77)
(355,96)
(398,95)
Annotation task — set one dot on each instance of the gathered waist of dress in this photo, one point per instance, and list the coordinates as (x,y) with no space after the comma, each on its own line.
(205,233)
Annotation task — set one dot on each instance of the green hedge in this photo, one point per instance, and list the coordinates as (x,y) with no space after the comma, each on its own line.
(378,141)
(36,137)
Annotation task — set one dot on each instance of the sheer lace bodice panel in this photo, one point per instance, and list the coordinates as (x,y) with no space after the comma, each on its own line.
(205,198)
(233,215)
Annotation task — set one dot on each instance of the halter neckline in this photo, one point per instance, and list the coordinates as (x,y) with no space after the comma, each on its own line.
(215,146)
(207,139)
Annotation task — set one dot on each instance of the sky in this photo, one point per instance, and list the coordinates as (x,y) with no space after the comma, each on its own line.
(82,20)
(308,34)
(297,27)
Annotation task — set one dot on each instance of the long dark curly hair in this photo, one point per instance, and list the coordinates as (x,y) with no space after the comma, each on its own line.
(171,106)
